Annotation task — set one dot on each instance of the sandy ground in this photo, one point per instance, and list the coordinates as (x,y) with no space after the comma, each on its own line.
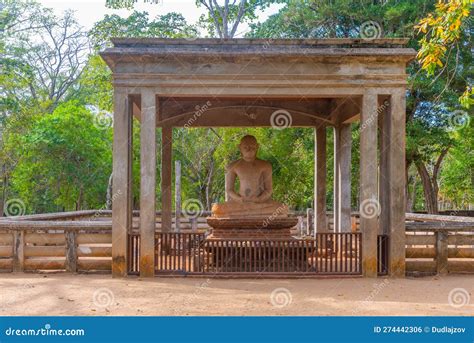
(61,294)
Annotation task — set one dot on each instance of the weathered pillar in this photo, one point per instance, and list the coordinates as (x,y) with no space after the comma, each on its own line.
(147,183)
(396,167)
(384,181)
(369,206)
(122,182)
(342,178)
(177,195)
(320,219)
(336,182)
(166,175)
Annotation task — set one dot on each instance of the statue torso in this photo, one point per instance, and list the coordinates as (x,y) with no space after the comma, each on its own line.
(250,176)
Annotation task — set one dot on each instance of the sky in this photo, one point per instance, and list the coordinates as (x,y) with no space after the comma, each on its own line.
(90,11)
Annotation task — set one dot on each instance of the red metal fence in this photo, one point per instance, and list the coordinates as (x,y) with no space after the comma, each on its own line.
(193,254)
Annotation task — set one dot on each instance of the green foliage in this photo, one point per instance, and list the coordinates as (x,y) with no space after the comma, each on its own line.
(59,158)
(127,3)
(65,161)
(457,176)
(170,25)
(342,18)
(95,85)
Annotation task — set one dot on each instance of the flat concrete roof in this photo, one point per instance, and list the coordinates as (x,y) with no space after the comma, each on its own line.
(148,48)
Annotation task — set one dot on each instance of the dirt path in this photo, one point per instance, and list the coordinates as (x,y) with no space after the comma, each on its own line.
(61,294)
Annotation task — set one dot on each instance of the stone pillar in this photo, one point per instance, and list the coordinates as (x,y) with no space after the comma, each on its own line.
(336,182)
(147,183)
(122,182)
(166,174)
(396,168)
(342,178)
(369,205)
(320,219)
(384,182)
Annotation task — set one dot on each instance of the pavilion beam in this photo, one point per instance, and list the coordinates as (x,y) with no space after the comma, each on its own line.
(320,218)
(122,182)
(147,183)
(166,177)
(396,168)
(368,183)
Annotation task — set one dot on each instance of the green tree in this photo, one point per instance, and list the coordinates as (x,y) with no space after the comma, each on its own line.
(66,160)
(170,25)
(444,34)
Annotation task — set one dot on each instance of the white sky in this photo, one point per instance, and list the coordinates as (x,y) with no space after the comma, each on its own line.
(90,11)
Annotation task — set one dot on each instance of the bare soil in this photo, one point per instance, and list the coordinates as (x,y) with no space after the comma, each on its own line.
(74,295)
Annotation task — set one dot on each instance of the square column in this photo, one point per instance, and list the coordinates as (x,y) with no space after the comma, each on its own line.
(336,182)
(147,183)
(320,219)
(122,182)
(166,174)
(342,178)
(384,182)
(396,167)
(369,205)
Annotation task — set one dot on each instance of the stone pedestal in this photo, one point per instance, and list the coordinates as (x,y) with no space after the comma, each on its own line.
(265,227)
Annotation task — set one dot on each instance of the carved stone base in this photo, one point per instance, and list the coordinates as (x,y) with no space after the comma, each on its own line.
(251,227)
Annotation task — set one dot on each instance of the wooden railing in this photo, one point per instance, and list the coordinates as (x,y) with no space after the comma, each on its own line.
(440,247)
(83,243)
(72,246)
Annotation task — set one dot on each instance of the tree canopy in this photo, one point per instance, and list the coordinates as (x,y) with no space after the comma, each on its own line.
(56,100)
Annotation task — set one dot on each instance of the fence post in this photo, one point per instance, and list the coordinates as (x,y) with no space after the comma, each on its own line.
(18,250)
(193,221)
(71,251)
(309,221)
(441,252)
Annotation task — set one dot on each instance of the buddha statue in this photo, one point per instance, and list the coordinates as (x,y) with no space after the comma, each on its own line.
(254,198)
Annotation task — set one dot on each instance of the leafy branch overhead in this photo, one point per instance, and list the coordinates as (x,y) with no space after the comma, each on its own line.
(442,32)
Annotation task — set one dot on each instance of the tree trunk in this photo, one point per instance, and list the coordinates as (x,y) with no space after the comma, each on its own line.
(411,196)
(431,201)
(108,197)
(4,192)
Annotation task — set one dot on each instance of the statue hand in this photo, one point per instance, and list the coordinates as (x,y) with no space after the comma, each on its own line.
(251,199)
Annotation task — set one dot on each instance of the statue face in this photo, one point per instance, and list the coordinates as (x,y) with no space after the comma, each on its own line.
(248,151)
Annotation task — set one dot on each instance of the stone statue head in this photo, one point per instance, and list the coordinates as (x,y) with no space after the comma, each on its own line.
(248,148)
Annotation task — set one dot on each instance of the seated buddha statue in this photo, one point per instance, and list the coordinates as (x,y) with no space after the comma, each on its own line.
(254,198)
